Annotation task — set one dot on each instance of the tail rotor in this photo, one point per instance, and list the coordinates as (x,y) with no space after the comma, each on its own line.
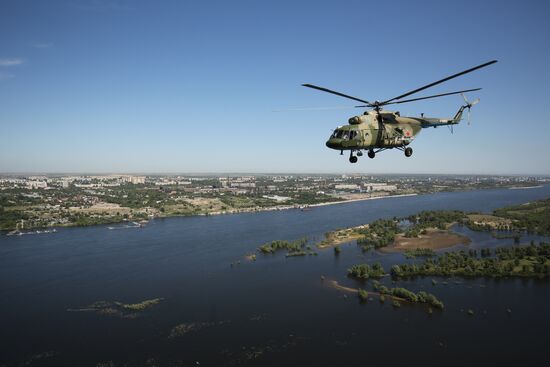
(469,105)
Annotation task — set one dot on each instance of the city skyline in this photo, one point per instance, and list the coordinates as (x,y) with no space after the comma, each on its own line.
(137,87)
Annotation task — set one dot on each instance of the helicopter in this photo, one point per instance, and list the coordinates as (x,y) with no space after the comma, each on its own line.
(377,130)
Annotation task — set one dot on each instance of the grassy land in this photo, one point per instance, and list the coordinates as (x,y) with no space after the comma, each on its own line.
(533,217)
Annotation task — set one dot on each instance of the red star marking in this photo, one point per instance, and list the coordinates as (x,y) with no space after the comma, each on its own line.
(407,133)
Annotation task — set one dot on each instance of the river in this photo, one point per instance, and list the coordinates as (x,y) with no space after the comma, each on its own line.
(272,312)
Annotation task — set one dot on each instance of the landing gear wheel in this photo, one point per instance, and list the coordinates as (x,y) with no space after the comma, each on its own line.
(408,152)
(353,159)
(371,154)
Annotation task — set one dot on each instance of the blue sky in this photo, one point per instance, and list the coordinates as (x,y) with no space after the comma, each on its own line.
(191,86)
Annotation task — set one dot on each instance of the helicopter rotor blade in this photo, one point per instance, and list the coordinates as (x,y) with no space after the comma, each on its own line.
(336,93)
(314,108)
(434,96)
(439,81)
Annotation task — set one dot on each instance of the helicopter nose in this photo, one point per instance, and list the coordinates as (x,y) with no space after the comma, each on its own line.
(334,143)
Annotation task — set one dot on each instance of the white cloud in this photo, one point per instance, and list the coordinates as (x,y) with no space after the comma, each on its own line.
(11,62)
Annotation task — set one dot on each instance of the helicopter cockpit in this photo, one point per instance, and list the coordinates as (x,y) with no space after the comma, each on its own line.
(344,134)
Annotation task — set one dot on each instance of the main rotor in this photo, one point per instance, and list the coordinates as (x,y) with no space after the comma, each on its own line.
(377,106)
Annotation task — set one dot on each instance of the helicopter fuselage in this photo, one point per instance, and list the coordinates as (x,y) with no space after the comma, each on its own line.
(373,131)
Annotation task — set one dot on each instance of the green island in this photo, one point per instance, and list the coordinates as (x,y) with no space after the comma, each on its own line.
(396,294)
(533,217)
(404,294)
(293,248)
(376,271)
(419,234)
(416,235)
(365,271)
(517,261)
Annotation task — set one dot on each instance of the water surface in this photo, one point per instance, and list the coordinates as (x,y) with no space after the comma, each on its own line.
(275,311)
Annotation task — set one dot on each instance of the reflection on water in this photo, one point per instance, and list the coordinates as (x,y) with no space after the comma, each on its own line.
(272,311)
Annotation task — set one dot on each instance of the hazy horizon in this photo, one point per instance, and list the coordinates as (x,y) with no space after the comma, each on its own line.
(220,173)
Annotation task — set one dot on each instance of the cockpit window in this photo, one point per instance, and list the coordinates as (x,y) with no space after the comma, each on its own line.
(344,134)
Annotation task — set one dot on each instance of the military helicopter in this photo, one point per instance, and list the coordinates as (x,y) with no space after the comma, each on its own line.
(378,129)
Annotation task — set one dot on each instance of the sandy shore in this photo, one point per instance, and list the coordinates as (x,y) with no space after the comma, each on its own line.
(435,239)
(287,207)
(362,199)
(341,236)
(525,187)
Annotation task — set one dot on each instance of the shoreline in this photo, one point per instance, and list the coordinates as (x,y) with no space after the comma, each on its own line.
(525,187)
(227,212)
(303,207)
(288,207)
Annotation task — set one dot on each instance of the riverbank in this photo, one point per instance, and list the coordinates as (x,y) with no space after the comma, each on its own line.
(296,206)
(525,187)
(306,207)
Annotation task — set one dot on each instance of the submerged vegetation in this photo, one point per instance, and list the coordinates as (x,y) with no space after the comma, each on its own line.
(363,294)
(119,309)
(420,229)
(419,252)
(517,261)
(185,328)
(379,233)
(408,234)
(365,271)
(432,219)
(384,232)
(294,248)
(409,296)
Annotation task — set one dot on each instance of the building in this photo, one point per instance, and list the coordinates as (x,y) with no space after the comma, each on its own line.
(369,187)
(137,180)
(37,184)
(346,187)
